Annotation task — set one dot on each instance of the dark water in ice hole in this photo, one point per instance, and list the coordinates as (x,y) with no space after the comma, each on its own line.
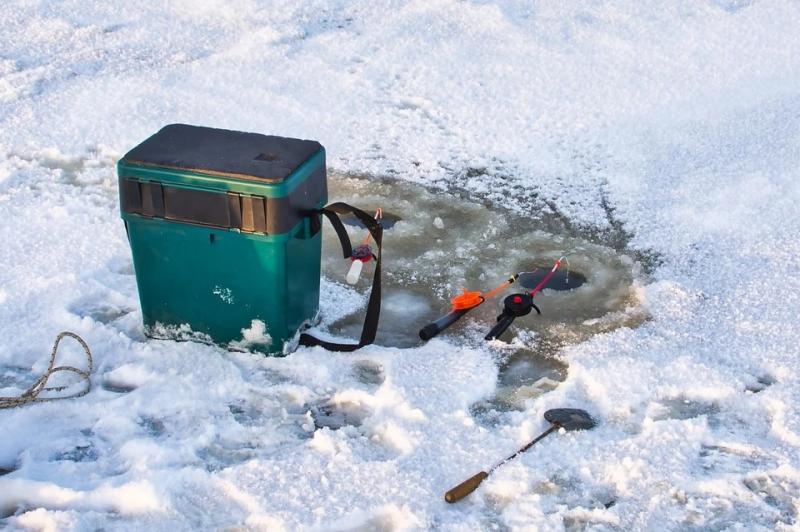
(436,244)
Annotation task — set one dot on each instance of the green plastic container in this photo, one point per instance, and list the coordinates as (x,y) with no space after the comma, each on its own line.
(225,234)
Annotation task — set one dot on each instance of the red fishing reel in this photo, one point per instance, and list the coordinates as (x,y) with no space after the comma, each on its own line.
(517,305)
(514,306)
(363,253)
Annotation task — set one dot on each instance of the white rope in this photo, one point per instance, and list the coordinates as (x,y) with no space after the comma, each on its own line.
(31,395)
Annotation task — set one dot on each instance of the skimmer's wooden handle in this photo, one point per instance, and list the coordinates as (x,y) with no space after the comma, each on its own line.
(465,488)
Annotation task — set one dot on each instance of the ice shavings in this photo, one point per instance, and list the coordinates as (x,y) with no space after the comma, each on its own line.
(384,517)
(255,335)
(44,520)
(182,333)
(338,300)
(128,377)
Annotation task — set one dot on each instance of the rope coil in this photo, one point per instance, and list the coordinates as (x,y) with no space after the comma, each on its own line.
(31,395)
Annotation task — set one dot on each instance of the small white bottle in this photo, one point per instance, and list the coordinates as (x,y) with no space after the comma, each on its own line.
(355,271)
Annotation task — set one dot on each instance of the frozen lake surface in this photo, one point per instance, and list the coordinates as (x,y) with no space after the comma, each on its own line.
(657,143)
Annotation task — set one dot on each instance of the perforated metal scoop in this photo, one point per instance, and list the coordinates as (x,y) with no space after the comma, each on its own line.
(570,418)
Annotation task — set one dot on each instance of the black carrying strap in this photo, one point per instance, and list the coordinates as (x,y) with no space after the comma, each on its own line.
(332,212)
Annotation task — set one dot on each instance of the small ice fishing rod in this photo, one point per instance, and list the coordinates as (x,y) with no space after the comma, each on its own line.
(461,305)
(362,254)
(466,301)
(517,305)
(560,418)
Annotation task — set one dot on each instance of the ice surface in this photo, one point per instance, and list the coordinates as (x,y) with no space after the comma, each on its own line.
(669,130)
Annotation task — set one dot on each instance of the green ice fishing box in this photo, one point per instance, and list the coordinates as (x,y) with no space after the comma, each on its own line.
(225,233)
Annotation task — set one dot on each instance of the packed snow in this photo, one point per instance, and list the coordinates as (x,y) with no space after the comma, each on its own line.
(674,124)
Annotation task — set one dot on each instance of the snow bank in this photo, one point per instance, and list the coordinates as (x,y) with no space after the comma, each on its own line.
(678,122)
(128,499)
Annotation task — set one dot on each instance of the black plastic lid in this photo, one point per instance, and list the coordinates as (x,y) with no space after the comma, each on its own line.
(248,156)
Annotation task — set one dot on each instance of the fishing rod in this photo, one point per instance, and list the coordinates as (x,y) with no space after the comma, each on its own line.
(461,305)
(466,301)
(362,254)
(517,305)
(568,419)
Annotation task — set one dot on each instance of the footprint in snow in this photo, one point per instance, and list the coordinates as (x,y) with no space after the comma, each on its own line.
(100,312)
(14,376)
(153,426)
(114,386)
(79,453)
(369,372)
(221,455)
(681,408)
(778,492)
(733,459)
(337,414)
(761,383)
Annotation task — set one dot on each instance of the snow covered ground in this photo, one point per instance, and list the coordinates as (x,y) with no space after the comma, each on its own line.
(678,122)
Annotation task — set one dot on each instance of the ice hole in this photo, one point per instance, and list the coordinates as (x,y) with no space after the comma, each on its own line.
(435,244)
